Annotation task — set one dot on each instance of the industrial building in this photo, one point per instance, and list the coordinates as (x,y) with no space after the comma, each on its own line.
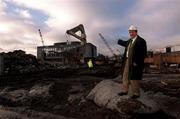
(66,53)
(164,57)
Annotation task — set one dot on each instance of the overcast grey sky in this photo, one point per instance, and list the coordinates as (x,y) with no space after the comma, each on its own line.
(157,21)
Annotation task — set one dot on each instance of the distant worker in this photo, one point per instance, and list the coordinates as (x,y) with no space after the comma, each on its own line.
(90,64)
(133,62)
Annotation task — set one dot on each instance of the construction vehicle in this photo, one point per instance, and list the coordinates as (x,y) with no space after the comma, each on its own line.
(88,51)
(76,29)
(81,36)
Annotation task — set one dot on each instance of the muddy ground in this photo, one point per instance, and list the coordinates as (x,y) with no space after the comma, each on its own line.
(67,91)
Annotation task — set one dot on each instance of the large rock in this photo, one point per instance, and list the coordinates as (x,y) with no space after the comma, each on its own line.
(105,94)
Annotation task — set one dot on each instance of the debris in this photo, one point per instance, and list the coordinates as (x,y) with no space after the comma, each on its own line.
(164,83)
(171,83)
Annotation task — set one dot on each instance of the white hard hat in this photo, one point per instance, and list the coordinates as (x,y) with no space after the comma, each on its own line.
(132,27)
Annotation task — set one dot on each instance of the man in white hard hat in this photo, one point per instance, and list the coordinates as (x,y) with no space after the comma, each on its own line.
(133,62)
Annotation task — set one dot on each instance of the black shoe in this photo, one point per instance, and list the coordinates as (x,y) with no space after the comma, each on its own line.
(134,96)
(122,93)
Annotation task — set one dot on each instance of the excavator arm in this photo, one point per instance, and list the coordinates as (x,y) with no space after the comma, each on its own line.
(74,30)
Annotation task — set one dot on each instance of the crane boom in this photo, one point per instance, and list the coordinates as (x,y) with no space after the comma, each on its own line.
(74,30)
(41,37)
(106,43)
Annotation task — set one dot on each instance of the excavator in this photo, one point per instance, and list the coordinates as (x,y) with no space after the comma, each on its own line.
(79,33)
(75,30)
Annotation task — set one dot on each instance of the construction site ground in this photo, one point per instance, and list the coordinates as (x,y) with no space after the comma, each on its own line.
(61,94)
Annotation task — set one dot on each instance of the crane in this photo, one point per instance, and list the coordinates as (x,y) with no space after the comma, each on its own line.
(43,49)
(41,37)
(106,43)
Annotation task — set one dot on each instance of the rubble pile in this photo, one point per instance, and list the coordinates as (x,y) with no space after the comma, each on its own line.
(19,62)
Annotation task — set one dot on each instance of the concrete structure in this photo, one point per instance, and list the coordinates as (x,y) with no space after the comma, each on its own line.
(1,64)
(65,53)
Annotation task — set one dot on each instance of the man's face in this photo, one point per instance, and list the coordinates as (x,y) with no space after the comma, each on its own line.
(132,33)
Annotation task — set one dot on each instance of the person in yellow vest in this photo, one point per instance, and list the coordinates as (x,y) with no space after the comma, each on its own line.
(90,64)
